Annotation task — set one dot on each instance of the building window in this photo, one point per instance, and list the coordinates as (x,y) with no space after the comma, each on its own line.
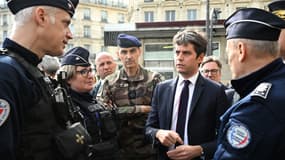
(148,16)
(238,8)
(192,14)
(216,49)
(86,31)
(103,2)
(148,0)
(72,30)
(216,13)
(5,20)
(104,16)
(87,13)
(5,34)
(121,18)
(103,49)
(87,46)
(170,15)
(159,57)
(69,46)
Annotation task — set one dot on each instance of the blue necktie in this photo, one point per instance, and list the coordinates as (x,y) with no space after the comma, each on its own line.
(182,111)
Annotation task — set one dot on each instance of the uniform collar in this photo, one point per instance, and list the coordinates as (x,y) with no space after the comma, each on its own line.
(82,96)
(139,76)
(20,50)
(246,84)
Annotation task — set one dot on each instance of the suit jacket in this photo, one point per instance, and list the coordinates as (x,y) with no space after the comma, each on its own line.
(209,102)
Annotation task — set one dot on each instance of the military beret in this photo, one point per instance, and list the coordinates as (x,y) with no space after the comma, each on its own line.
(127,41)
(76,56)
(67,5)
(277,8)
(255,24)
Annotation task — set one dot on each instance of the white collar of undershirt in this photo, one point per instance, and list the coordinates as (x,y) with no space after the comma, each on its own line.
(192,79)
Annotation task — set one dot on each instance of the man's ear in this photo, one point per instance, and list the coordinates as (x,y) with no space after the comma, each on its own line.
(40,16)
(242,51)
(201,57)
(140,51)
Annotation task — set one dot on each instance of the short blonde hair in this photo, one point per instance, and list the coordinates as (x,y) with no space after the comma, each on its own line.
(69,69)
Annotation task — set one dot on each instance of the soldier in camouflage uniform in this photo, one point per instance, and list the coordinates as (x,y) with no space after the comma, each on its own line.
(130,90)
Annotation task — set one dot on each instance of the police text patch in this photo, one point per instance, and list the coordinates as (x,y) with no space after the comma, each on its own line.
(238,136)
(4,111)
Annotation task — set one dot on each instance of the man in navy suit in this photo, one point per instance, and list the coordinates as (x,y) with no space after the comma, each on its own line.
(206,103)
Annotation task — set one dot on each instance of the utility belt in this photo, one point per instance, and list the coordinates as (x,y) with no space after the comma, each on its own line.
(106,145)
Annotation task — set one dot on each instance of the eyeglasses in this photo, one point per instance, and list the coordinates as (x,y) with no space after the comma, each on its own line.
(85,72)
(213,71)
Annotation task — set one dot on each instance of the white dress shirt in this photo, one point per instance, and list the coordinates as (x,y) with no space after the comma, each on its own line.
(178,91)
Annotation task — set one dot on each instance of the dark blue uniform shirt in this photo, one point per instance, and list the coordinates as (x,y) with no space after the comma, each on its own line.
(254,127)
(17,93)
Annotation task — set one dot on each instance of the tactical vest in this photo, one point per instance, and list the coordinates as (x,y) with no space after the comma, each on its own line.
(102,126)
(38,123)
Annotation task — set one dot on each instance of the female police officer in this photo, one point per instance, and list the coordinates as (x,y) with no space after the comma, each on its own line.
(99,121)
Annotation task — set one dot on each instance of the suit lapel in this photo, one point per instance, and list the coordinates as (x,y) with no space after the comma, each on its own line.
(199,87)
(171,91)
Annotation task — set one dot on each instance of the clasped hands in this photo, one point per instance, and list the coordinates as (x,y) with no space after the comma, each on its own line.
(169,138)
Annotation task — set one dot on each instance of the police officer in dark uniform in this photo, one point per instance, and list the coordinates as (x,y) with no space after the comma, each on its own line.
(277,7)
(99,121)
(29,125)
(253,128)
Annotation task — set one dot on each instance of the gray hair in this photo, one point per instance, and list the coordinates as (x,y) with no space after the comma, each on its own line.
(257,47)
(25,15)
(100,54)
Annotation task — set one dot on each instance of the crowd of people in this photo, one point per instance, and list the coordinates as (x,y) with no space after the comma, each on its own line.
(64,109)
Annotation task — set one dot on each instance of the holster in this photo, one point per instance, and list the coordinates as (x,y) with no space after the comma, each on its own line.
(105,150)
(73,141)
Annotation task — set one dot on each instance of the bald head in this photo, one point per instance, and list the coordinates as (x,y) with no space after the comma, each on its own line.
(105,64)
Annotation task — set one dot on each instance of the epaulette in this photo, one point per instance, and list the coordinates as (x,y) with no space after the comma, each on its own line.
(262,90)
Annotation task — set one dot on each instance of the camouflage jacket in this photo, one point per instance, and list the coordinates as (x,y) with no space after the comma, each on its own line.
(127,94)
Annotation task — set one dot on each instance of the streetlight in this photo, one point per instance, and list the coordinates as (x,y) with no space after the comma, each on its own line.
(214,17)
(207,25)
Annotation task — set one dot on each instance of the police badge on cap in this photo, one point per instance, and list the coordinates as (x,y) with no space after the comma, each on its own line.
(67,5)
(255,24)
(77,56)
(277,8)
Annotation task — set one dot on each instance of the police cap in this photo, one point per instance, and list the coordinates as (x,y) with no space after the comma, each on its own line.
(76,56)
(67,5)
(277,8)
(255,24)
(127,41)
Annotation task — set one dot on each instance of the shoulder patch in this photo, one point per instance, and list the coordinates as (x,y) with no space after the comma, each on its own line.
(262,90)
(4,111)
(238,136)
